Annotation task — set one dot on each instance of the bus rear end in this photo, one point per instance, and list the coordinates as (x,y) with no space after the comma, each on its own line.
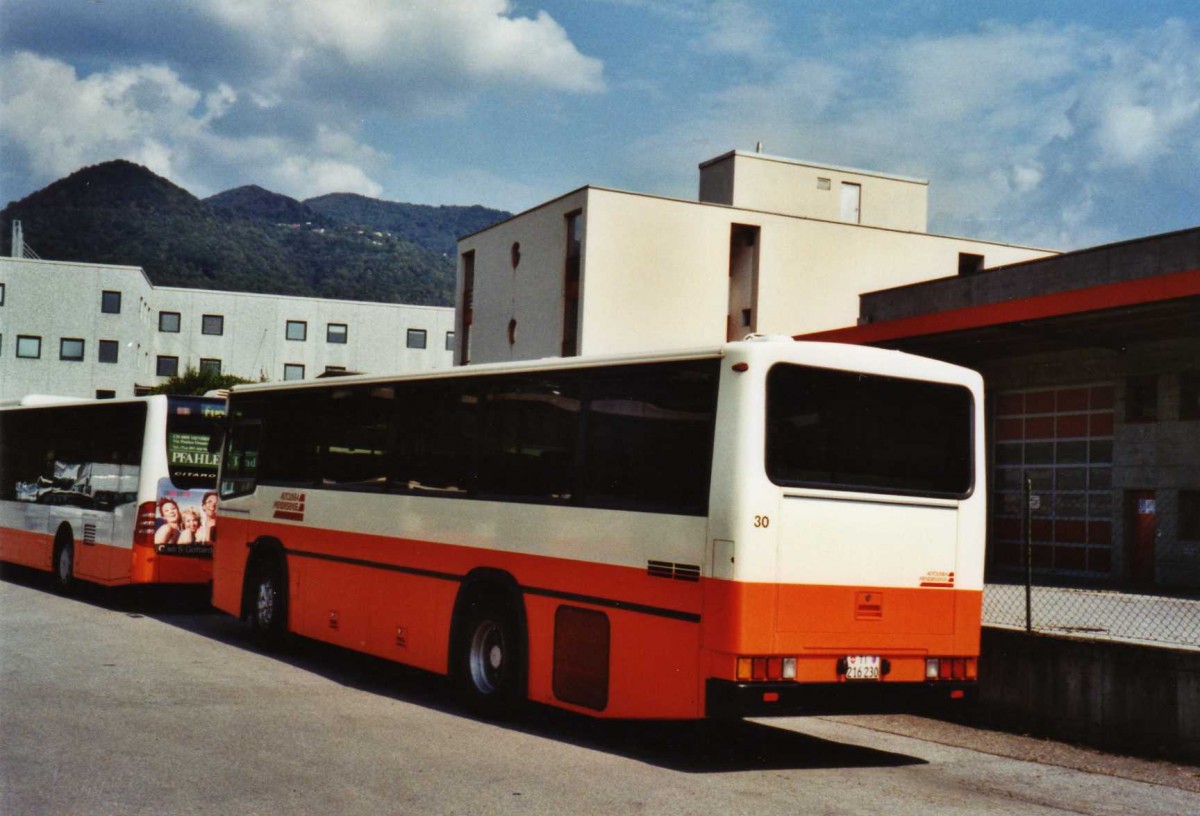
(176,522)
(847,542)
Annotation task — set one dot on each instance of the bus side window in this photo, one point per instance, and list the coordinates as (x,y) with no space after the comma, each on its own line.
(358,437)
(240,465)
(531,427)
(436,434)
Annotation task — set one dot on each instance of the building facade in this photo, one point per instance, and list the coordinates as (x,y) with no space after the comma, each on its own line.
(1092,365)
(772,246)
(92,330)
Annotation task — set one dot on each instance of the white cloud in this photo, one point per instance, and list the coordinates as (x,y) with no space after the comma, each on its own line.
(396,52)
(736,27)
(59,122)
(275,93)
(1025,132)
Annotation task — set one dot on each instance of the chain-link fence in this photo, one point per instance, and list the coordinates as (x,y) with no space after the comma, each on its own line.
(1160,620)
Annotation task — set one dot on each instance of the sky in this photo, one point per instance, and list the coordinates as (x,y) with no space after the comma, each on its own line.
(1057,124)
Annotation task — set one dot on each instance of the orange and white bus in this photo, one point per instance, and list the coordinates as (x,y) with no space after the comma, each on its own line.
(770,527)
(110,491)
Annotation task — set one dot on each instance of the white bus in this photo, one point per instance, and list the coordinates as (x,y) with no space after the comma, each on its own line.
(110,491)
(769,527)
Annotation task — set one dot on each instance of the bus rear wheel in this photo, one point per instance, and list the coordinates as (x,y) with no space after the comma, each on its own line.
(64,565)
(490,660)
(268,604)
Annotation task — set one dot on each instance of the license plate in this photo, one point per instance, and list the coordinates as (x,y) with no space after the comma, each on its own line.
(862,667)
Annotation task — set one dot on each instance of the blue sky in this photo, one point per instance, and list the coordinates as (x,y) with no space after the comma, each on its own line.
(1054,124)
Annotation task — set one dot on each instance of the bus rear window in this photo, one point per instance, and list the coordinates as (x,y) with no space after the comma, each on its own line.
(845,430)
(191,458)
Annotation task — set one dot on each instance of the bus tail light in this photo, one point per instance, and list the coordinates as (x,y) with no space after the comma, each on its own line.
(943,669)
(766,668)
(143,528)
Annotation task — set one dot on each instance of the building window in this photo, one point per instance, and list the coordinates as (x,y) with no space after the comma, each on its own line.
(571,271)
(166,366)
(449,341)
(1,294)
(296,330)
(335,370)
(823,183)
(969,263)
(212,324)
(1189,395)
(210,365)
(1141,399)
(71,349)
(336,333)
(110,302)
(293,371)
(108,351)
(168,322)
(104,393)
(416,338)
(29,346)
(468,304)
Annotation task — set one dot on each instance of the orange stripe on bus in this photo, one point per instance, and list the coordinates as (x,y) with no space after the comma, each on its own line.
(26,548)
(394,598)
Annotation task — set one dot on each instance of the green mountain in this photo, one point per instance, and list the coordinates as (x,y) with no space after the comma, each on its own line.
(256,204)
(436,228)
(247,239)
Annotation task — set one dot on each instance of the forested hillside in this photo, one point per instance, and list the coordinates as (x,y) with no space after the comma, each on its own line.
(247,239)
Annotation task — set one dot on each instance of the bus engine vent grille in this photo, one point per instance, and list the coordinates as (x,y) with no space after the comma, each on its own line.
(89,534)
(666,569)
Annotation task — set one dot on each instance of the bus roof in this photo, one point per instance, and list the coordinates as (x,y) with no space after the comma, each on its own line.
(839,354)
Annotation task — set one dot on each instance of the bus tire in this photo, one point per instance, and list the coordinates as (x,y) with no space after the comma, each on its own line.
(267,596)
(490,665)
(64,561)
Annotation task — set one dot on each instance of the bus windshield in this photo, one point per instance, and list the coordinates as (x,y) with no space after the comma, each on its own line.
(191,458)
(846,430)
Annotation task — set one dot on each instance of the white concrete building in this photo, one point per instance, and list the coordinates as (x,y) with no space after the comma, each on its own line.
(772,246)
(88,330)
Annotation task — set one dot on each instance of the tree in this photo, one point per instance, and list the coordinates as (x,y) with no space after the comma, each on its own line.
(194,382)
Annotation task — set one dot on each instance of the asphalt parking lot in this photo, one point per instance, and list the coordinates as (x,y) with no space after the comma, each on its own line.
(124,704)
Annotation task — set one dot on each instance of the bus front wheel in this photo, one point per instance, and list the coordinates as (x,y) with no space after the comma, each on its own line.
(489,664)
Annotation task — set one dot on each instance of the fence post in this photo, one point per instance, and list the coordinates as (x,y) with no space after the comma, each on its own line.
(1028,536)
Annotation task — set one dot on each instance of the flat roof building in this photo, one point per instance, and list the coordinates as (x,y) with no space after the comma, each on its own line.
(95,330)
(773,245)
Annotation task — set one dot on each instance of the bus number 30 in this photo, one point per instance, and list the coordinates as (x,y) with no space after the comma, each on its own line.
(762,521)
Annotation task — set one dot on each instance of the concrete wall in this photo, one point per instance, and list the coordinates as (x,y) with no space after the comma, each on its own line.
(755,181)
(1112,263)
(53,301)
(656,273)
(812,272)
(531,293)
(254,343)
(1119,697)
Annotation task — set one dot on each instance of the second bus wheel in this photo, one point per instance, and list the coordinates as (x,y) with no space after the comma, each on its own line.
(490,669)
(268,603)
(64,567)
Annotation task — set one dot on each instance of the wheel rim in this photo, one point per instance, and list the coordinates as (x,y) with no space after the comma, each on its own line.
(487,657)
(265,607)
